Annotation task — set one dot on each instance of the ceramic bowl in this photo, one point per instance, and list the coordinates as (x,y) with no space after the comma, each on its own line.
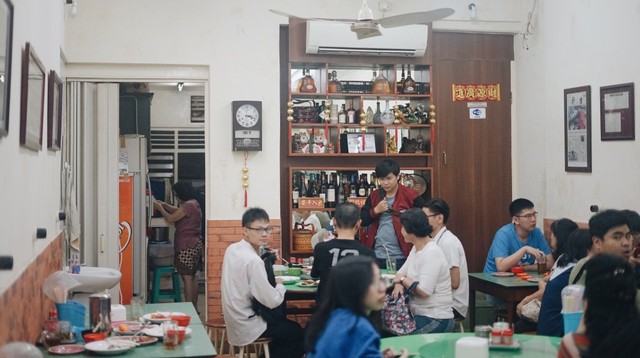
(517,269)
(183,320)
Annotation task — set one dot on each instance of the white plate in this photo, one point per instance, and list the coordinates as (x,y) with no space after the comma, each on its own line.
(67,349)
(156,331)
(287,279)
(141,339)
(133,326)
(105,348)
(165,316)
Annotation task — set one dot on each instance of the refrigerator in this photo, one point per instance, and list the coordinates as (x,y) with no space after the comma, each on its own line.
(134,213)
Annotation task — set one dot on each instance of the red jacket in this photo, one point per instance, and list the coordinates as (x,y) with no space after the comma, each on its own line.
(405,198)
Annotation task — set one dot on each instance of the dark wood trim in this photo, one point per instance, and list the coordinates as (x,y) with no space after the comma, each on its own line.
(285,216)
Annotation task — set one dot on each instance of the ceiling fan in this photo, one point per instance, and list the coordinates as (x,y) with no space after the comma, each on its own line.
(366,26)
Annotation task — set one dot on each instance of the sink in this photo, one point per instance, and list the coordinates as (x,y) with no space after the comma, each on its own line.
(96,279)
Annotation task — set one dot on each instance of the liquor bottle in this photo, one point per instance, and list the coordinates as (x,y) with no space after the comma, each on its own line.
(295,191)
(409,85)
(341,187)
(373,183)
(313,189)
(377,115)
(387,116)
(400,83)
(308,84)
(321,114)
(369,115)
(347,187)
(303,185)
(323,188)
(351,114)
(353,186)
(335,86)
(363,186)
(342,115)
(381,85)
(331,192)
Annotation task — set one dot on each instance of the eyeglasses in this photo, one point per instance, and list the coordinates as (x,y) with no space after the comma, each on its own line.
(261,230)
(528,216)
(432,215)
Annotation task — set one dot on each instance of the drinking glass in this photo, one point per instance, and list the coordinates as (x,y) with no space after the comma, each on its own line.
(391,265)
(170,334)
(137,308)
(542,266)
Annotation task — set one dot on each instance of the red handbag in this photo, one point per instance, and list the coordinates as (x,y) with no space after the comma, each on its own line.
(397,317)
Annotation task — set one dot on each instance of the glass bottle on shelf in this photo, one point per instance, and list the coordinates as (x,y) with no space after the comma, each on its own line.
(331,192)
(323,188)
(313,189)
(335,86)
(351,114)
(369,115)
(387,116)
(363,186)
(377,115)
(400,83)
(321,114)
(353,186)
(295,191)
(347,187)
(373,183)
(342,115)
(381,85)
(308,84)
(409,85)
(341,187)
(303,185)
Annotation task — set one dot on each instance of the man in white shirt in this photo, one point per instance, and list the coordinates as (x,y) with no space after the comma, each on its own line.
(437,211)
(243,278)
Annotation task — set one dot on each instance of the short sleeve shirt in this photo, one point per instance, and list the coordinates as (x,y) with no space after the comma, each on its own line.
(506,243)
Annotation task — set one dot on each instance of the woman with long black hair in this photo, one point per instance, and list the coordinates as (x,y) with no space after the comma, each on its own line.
(342,325)
(611,322)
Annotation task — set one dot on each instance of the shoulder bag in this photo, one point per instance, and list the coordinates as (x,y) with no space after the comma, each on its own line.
(397,317)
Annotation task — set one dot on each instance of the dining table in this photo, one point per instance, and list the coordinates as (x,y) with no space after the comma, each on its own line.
(197,344)
(443,345)
(511,289)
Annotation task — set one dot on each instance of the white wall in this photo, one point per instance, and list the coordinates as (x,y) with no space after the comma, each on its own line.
(239,41)
(576,43)
(29,181)
(171,108)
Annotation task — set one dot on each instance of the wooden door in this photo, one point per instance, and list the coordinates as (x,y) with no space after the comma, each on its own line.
(473,159)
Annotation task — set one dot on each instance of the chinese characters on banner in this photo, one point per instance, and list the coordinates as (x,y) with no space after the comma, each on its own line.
(475,92)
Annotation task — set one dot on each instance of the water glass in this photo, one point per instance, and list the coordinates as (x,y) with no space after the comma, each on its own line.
(137,308)
(391,265)
(170,334)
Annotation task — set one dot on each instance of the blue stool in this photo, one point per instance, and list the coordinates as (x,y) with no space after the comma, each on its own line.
(174,293)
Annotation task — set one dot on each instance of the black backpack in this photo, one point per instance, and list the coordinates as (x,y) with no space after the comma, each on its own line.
(270,315)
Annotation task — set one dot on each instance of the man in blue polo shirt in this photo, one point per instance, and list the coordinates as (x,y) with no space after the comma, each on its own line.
(519,243)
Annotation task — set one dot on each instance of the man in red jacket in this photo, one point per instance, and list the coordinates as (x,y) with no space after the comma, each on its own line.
(381,215)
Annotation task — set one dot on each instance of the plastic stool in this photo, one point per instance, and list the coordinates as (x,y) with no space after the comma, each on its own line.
(158,294)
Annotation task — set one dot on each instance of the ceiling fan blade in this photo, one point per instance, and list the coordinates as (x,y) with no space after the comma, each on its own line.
(418,18)
(282,13)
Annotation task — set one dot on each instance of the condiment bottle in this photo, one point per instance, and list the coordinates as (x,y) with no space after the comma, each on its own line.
(496,336)
(51,324)
(507,337)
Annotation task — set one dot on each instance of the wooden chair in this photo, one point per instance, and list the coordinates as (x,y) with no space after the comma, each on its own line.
(259,346)
(218,334)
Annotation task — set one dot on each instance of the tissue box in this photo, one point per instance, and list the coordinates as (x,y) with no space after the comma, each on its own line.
(72,311)
(118,313)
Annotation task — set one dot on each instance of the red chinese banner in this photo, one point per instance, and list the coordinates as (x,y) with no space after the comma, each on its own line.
(475,92)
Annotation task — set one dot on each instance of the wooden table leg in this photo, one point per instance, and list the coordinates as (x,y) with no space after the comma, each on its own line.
(472,309)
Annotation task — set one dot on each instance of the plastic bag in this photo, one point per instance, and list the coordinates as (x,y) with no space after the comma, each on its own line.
(57,286)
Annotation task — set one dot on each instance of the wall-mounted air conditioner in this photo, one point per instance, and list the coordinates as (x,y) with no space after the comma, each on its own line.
(336,38)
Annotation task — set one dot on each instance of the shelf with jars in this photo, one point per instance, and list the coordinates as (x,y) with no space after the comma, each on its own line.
(315,192)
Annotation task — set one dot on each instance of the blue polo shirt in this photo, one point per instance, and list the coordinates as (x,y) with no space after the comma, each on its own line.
(506,242)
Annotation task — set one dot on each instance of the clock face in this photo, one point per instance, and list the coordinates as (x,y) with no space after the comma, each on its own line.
(247,115)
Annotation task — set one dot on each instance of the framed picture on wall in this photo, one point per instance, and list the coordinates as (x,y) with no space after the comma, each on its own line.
(6,40)
(54,111)
(617,117)
(577,129)
(31,99)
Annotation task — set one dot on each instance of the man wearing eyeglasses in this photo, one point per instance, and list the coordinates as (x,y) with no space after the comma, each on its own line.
(519,243)
(244,279)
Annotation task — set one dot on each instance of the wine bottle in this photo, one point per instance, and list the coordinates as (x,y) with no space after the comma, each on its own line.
(303,185)
(377,115)
(323,188)
(331,192)
(342,115)
(409,85)
(295,191)
(321,114)
(401,82)
(373,183)
(341,187)
(351,114)
(313,189)
(353,187)
(363,186)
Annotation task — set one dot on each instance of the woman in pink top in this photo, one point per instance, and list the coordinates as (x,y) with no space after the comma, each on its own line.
(187,243)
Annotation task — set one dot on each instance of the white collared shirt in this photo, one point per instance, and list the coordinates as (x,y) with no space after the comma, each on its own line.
(243,277)
(454,252)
